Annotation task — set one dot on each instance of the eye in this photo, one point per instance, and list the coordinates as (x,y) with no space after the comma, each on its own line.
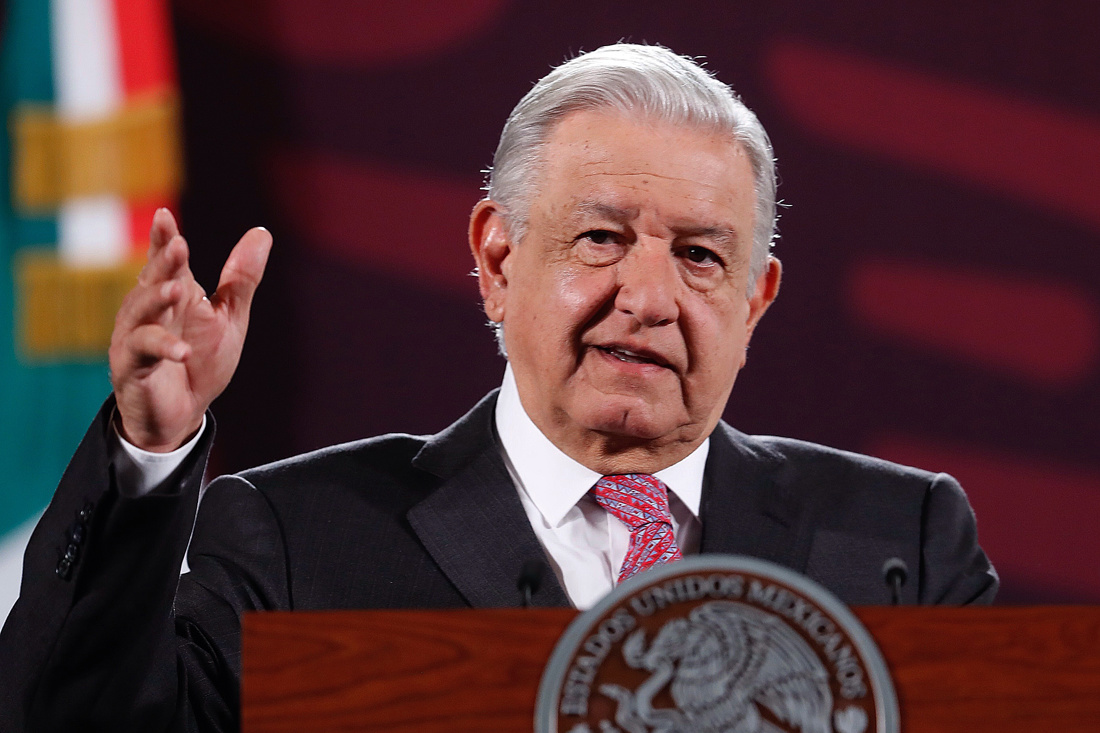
(600,247)
(599,236)
(701,255)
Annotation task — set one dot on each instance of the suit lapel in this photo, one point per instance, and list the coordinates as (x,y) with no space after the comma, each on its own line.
(745,508)
(475,529)
(473,524)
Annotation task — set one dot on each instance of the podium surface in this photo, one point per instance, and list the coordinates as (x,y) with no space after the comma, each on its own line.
(955,669)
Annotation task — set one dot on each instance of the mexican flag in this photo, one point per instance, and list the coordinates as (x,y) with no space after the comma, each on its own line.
(90,149)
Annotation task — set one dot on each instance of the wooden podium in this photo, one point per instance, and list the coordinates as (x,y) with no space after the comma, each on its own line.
(992,669)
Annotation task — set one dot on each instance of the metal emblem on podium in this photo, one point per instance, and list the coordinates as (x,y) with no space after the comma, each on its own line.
(717,644)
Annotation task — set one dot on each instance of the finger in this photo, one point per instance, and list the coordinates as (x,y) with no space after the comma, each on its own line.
(148,304)
(162,230)
(144,347)
(168,263)
(243,271)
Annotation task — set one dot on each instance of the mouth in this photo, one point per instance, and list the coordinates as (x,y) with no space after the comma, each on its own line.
(634,356)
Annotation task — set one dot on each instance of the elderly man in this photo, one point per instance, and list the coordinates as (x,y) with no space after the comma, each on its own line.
(623,253)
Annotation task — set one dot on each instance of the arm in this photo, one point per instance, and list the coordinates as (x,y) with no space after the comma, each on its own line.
(106,648)
(953,568)
(89,633)
(92,643)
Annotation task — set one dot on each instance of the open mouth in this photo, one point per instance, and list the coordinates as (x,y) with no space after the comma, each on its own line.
(633,357)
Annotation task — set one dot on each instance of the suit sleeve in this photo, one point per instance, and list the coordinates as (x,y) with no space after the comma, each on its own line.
(954,569)
(100,639)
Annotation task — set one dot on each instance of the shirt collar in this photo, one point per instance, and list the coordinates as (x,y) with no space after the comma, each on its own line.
(555,482)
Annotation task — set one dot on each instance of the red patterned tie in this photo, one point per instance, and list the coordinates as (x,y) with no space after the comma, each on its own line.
(640,501)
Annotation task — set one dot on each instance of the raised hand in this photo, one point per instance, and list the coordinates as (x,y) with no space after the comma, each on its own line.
(173,349)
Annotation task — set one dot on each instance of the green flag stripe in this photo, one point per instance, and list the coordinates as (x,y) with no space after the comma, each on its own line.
(44,408)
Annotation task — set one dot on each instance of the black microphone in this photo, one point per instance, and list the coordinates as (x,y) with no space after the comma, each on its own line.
(894,573)
(530,578)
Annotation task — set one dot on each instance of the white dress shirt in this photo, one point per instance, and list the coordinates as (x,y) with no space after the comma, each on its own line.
(140,471)
(585,544)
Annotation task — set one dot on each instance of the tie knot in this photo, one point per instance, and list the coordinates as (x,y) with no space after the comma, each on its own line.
(636,499)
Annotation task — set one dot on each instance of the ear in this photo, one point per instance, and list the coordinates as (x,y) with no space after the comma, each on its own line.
(491,245)
(767,287)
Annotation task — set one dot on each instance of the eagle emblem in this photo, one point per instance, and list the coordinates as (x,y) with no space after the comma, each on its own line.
(717,644)
(722,664)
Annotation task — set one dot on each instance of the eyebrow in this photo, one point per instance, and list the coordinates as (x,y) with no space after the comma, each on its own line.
(721,234)
(606,211)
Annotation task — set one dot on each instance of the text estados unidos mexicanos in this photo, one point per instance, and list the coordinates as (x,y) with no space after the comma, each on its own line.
(842,659)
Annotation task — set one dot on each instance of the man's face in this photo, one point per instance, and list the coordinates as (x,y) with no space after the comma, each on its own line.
(624,307)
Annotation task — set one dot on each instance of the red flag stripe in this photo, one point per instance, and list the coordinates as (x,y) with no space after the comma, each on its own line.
(145,47)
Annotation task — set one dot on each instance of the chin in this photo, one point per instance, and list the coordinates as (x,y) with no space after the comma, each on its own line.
(633,422)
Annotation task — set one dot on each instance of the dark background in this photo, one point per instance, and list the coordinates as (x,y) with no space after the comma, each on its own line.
(940,162)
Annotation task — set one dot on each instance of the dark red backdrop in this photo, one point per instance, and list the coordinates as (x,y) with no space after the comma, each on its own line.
(941,298)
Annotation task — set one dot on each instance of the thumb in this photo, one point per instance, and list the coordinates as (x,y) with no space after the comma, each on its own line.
(243,271)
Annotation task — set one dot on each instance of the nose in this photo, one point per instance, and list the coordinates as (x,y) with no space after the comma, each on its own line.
(649,284)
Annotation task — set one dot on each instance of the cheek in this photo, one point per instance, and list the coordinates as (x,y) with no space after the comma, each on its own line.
(552,312)
(718,337)
(575,291)
(576,297)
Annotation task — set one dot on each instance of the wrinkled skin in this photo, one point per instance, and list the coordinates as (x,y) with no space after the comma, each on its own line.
(173,349)
(624,307)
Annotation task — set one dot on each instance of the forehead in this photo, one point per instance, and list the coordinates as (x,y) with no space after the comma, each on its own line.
(600,161)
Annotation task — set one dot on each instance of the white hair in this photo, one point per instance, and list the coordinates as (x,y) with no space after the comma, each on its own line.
(647,82)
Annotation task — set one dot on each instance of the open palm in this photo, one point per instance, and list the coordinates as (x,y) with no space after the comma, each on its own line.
(174,350)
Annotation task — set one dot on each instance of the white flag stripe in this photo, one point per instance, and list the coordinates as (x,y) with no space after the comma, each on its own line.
(12,546)
(86,63)
(92,231)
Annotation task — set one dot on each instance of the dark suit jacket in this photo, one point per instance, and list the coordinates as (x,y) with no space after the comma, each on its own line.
(393,522)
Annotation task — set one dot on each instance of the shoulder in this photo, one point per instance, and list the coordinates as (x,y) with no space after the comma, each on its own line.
(835,489)
(390,472)
(796,462)
(840,480)
(839,477)
(381,456)
(344,488)
(853,511)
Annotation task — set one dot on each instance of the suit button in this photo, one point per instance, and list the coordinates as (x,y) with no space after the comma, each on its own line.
(64,569)
(77,533)
(86,513)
